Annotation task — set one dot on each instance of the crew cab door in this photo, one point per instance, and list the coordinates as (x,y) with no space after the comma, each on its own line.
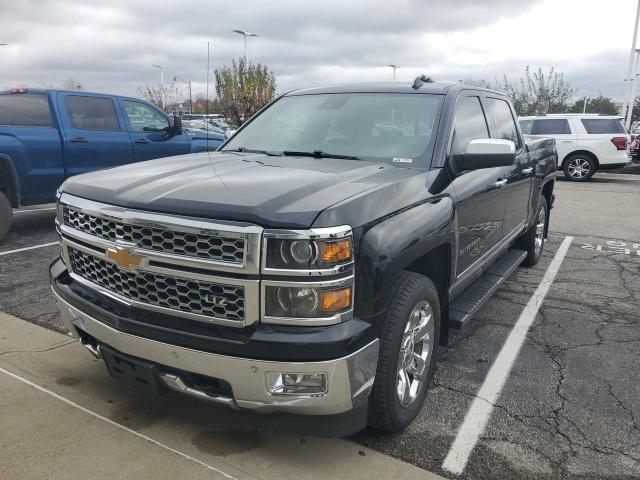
(149,130)
(93,134)
(481,199)
(519,176)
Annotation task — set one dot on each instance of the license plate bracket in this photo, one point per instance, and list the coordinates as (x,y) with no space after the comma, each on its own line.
(134,372)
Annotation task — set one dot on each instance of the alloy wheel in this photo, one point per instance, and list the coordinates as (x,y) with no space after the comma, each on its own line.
(579,168)
(540,224)
(415,353)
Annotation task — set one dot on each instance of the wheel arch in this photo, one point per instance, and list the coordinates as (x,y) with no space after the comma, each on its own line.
(9,182)
(582,151)
(421,240)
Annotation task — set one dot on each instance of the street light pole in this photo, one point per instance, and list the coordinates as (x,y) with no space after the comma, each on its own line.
(246,34)
(395,66)
(162,68)
(631,70)
(178,77)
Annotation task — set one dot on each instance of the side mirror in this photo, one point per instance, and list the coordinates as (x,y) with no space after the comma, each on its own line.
(177,125)
(485,153)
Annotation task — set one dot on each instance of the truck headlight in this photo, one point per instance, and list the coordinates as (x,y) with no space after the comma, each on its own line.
(308,303)
(309,250)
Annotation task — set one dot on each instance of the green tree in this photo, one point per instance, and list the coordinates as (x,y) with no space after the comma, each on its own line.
(244,88)
(538,92)
(599,104)
(635,115)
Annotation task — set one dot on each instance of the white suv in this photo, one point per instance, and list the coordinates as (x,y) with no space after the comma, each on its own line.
(585,142)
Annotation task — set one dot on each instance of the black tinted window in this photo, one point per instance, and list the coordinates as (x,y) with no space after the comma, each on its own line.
(92,113)
(28,110)
(603,125)
(551,126)
(470,124)
(503,118)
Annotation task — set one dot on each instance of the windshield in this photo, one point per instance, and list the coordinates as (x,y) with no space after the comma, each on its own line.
(390,127)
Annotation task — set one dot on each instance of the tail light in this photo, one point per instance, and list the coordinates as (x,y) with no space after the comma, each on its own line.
(636,144)
(19,90)
(620,142)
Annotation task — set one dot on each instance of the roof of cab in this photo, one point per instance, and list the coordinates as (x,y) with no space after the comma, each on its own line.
(440,88)
(42,91)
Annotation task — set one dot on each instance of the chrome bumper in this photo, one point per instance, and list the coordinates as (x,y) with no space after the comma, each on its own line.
(349,379)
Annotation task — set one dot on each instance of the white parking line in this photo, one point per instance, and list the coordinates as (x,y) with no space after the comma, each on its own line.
(44,209)
(478,415)
(17,250)
(116,424)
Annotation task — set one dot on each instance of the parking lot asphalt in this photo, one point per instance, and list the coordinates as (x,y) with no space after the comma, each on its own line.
(570,407)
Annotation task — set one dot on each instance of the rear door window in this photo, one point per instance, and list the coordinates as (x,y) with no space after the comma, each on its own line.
(470,124)
(596,126)
(25,109)
(92,113)
(551,126)
(526,126)
(503,120)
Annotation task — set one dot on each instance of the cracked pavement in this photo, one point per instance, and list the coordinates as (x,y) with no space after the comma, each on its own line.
(571,405)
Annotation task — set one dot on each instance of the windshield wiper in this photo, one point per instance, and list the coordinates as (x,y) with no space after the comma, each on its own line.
(249,150)
(318,154)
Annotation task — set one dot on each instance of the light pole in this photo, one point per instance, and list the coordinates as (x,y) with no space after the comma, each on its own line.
(245,34)
(162,68)
(395,66)
(178,77)
(628,101)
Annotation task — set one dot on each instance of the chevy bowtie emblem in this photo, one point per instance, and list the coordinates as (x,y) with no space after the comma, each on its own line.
(121,257)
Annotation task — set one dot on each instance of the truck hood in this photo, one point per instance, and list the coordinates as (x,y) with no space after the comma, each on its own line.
(266,190)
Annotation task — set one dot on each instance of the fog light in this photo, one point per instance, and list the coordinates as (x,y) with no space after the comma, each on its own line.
(279,383)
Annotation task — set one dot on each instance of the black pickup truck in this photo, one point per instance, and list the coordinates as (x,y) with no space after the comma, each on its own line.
(310,268)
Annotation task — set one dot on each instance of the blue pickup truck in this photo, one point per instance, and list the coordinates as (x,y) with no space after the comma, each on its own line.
(49,135)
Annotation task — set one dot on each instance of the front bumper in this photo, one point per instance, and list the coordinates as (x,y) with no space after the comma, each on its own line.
(349,378)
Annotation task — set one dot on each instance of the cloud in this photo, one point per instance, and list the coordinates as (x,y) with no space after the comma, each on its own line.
(110,46)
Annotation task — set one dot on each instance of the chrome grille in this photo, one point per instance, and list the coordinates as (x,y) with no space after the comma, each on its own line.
(175,293)
(201,245)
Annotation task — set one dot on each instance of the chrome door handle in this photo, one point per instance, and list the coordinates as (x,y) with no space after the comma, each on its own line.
(527,171)
(500,183)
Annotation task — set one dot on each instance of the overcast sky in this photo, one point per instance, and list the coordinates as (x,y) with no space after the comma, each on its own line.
(110,45)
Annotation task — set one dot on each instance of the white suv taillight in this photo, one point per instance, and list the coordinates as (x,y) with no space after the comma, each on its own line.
(620,142)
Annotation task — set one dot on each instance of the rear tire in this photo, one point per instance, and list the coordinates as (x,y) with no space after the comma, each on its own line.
(6,215)
(579,167)
(407,357)
(533,239)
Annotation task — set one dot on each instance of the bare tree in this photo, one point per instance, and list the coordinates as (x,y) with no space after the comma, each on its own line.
(72,84)
(539,92)
(244,88)
(154,94)
(200,105)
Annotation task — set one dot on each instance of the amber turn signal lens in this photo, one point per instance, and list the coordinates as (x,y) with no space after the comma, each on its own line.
(335,300)
(338,251)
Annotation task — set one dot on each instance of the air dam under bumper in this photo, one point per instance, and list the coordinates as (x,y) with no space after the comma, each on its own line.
(349,379)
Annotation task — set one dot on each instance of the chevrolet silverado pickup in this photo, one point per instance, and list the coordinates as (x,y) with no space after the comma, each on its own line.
(49,135)
(309,269)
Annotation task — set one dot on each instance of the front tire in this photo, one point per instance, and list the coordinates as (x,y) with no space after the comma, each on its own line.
(406,361)
(579,167)
(6,215)
(533,239)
